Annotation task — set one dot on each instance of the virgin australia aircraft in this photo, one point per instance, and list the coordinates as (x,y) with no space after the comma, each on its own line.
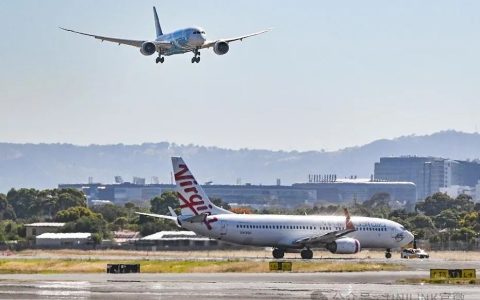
(178,42)
(284,233)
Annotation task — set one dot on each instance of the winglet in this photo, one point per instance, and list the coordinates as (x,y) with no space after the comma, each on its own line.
(172,212)
(158,28)
(348,220)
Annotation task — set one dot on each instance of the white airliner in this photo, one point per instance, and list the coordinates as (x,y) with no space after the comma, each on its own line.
(284,233)
(178,42)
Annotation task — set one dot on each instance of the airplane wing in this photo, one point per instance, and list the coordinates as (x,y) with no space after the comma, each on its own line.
(329,236)
(134,43)
(323,239)
(209,44)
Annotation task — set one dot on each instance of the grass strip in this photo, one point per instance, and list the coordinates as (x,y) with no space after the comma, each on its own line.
(58,265)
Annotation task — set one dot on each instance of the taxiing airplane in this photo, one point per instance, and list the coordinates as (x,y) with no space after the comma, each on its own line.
(178,42)
(284,233)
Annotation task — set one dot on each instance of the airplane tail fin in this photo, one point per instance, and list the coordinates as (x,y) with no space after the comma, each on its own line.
(158,28)
(193,200)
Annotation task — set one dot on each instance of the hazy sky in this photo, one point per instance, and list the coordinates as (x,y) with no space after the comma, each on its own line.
(331,74)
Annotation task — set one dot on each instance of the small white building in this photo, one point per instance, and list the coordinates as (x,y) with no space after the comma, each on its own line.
(178,240)
(63,239)
(34,229)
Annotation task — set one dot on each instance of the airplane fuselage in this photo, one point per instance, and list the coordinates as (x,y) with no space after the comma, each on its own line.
(282,231)
(183,40)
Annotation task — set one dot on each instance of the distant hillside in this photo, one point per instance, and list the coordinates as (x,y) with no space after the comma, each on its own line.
(46,165)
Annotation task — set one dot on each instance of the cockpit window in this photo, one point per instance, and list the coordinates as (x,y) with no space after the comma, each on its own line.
(402,228)
(203,32)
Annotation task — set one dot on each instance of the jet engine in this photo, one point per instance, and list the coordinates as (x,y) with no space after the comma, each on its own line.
(344,246)
(148,48)
(221,48)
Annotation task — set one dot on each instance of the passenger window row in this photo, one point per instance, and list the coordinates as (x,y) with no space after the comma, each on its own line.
(371,229)
(282,227)
(307,227)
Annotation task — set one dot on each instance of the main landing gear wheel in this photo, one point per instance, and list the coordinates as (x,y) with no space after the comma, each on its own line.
(388,254)
(306,254)
(278,253)
(160,59)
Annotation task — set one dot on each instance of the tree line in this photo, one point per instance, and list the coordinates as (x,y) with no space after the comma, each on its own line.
(437,218)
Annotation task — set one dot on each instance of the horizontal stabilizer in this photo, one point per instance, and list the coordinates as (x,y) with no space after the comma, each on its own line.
(157,216)
(196,219)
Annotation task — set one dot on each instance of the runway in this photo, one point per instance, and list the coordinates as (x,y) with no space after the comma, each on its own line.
(364,285)
(384,285)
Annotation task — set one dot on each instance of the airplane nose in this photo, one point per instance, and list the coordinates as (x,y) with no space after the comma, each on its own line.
(410,237)
(198,40)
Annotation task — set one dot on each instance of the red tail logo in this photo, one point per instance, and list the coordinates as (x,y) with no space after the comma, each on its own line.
(191,198)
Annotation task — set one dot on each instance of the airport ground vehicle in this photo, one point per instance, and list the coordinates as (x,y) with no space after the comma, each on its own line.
(414,253)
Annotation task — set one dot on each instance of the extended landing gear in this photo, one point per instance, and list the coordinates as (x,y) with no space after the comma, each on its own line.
(160,59)
(196,58)
(278,253)
(306,254)
(388,254)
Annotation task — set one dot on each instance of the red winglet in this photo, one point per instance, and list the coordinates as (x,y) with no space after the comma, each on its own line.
(348,220)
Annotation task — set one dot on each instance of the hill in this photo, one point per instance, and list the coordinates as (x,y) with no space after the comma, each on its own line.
(46,165)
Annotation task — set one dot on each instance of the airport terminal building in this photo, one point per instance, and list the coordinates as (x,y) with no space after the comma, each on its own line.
(338,191)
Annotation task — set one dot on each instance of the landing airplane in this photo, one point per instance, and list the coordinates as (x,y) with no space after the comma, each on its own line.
(284,233)
(178,42)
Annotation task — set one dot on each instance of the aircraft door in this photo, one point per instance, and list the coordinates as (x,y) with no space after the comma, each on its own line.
(223,227)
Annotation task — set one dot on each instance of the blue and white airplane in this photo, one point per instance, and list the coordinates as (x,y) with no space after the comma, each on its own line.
(284,233)
(178,42)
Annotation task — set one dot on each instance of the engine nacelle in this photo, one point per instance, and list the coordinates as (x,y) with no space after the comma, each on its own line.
(221,48)
(148,48)
(344,246)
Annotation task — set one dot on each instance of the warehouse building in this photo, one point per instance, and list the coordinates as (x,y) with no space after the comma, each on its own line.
(63,240)
(179,240)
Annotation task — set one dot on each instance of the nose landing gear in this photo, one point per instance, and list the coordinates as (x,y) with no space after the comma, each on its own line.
(278,253)
(196,58)
(160,59)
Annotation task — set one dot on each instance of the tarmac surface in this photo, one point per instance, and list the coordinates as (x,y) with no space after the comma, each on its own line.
(384,285)
(363,285)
